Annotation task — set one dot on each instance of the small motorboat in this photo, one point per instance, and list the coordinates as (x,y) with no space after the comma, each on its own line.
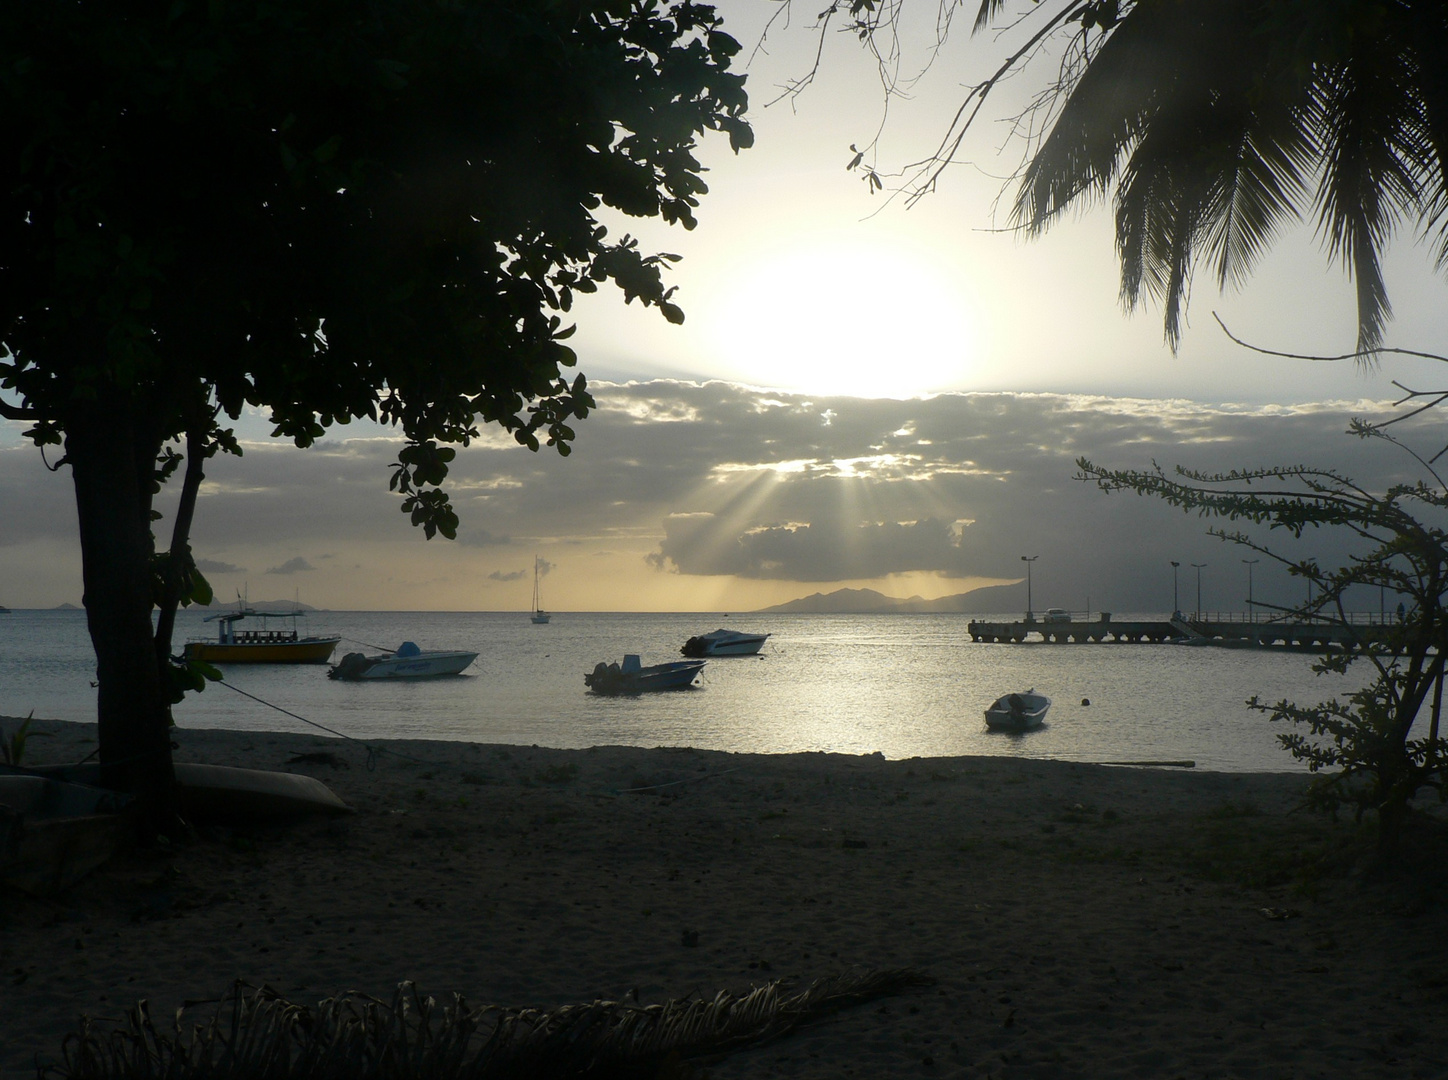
(632,677)
(1017,712)
(408,662)
(723,643)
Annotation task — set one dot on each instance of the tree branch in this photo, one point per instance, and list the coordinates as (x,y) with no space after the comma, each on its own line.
(15,412)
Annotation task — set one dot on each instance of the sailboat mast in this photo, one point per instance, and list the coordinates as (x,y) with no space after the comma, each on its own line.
(539,615)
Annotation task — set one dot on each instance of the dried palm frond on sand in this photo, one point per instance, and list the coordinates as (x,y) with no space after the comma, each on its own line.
(255,1034)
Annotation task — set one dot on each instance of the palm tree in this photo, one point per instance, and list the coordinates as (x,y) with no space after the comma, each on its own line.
(1218,121)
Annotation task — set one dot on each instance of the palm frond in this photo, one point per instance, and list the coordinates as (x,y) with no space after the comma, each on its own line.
(988,10)
(1373,146)
(1213,118)
(1257,156)
(1116,98)
(255,1034)
(1428,46)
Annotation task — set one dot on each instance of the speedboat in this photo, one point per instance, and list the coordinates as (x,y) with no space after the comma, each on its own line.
(408,662)
(632,677)
(723,643)
(261,642)
(1017,712)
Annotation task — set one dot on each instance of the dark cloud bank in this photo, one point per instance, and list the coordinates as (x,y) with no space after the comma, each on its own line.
(722,479)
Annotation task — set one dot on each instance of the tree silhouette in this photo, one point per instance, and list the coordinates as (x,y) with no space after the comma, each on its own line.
(327,209)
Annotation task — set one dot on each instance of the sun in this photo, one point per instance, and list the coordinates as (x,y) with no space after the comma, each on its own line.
(835,318)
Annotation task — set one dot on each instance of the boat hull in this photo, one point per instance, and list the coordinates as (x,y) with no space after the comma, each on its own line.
(222,794)
(610,680)
(426,665)
(724,643)
(1028,712)
(227,795)
(307,651)
(54,832)
(746,647)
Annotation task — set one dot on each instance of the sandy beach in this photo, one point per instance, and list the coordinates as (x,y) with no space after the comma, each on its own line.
(1077,920)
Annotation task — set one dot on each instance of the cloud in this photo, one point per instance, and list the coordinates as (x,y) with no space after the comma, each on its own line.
(214,566)
(292,566)
(718,481)
(483,538)
(544,566)
(693,544)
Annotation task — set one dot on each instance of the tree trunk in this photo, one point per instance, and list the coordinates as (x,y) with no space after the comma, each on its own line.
(105,455)
(171,586)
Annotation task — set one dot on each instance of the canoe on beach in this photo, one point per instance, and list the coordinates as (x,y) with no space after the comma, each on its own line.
(226,795)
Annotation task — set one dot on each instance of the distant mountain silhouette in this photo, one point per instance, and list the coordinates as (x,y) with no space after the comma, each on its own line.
(990,599)
(283,606)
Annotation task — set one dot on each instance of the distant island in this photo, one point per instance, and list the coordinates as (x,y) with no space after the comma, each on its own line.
(285,607)
(990,599)
(269,606)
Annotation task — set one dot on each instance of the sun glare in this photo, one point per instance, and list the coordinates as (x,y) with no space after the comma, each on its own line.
(845,320)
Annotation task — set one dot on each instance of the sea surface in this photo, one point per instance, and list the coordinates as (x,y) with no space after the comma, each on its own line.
(901,685)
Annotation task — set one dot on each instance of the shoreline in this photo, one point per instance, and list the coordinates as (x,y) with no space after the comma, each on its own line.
(1078,920)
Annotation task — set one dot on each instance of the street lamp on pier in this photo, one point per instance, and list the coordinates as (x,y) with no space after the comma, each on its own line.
(1198,566)
(1251,611)
(1028,559)
(1176,605)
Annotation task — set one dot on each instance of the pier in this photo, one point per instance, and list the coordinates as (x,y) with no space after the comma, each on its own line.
(1229,629)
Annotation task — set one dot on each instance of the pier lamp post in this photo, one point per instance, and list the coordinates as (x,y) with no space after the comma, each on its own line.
(1028,559)
(1176,605)
(1198,566)
(1251,611)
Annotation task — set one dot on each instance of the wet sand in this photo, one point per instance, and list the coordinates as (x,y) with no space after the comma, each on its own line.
(1077,920)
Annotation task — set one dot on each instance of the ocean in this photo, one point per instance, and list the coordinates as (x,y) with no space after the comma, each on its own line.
(900,685)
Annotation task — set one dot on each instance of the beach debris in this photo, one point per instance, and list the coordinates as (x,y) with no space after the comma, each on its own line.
(1277,914)
(318,757)
(254,1031)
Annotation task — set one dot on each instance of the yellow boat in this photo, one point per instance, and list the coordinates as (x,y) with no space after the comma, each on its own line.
(260,644)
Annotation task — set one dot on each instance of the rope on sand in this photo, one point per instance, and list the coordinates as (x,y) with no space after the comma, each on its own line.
(372,751)
(672,783)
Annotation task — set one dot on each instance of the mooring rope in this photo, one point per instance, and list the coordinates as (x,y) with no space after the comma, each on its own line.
(368,644)
(372,751)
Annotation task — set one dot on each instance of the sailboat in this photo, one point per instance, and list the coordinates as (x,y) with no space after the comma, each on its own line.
(539,615)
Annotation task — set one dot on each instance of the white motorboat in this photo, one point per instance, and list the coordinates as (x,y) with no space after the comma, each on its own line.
(1017,712)
(724,643)
(408,662)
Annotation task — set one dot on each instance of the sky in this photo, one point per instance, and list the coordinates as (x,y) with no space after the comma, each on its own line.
(862,395)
